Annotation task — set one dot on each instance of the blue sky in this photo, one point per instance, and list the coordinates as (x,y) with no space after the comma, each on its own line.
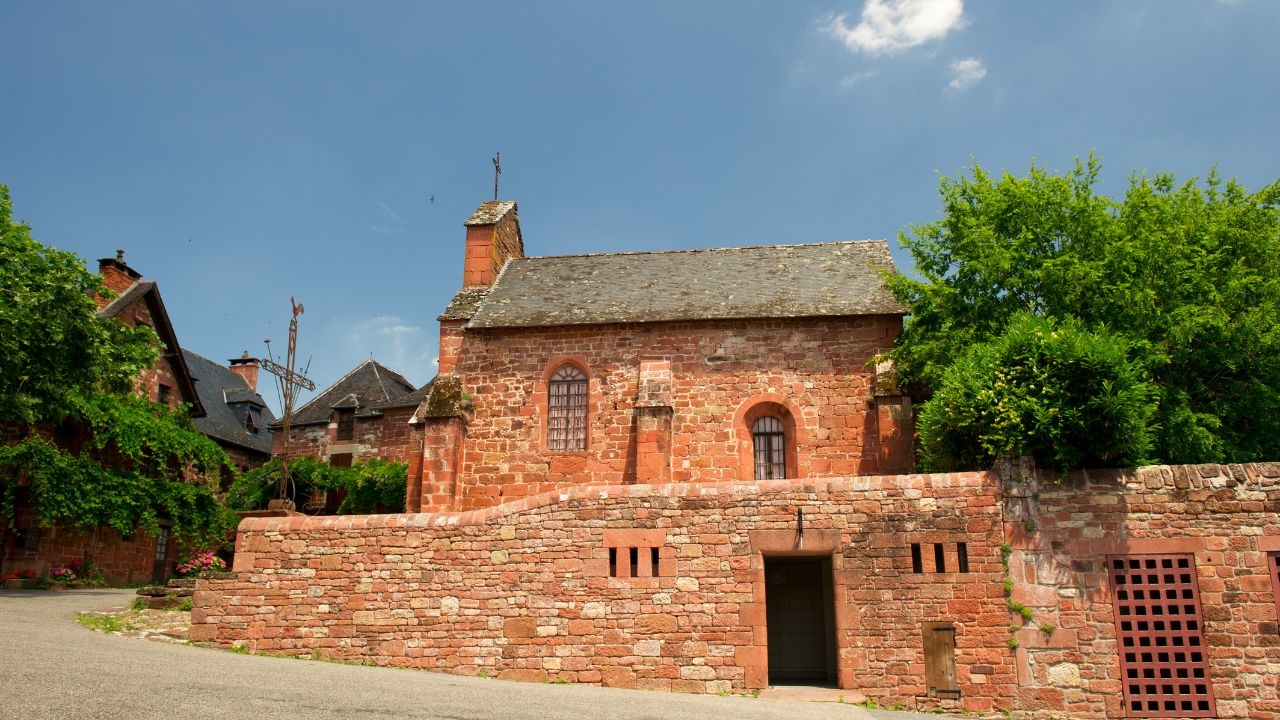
(245,152)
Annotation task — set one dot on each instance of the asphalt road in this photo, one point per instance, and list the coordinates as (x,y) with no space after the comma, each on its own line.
(51,668)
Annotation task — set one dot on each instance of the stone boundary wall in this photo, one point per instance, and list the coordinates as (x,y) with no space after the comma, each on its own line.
(524,590)
(1064,529)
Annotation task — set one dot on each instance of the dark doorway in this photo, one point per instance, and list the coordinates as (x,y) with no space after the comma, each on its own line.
(160,568)
(800,619)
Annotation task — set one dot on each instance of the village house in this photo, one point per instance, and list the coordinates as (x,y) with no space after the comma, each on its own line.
(222,402)
(686,471)
(362,416)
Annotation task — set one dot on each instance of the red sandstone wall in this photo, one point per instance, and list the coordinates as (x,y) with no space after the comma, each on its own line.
(523,590)
(121,561)
(816,368)
(1228,517)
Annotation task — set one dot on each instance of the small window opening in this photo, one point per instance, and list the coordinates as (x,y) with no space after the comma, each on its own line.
(917,560)
(162,394)
(939,557)
(962,557)
(346,425)
(769,442)
(567,410)
(628,560)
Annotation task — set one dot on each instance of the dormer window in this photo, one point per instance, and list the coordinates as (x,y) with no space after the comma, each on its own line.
(346,424)
(252,420)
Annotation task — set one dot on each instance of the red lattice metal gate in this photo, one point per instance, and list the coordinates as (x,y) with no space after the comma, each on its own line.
(1273,562)
(1160,636)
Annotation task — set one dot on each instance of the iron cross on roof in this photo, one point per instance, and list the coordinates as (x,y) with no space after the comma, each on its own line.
(497,170)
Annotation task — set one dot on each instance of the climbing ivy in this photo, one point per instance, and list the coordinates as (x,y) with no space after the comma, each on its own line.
(123,462)
(81,492)
(373,486)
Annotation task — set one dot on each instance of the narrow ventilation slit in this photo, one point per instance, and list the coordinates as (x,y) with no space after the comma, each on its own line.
(939,557)
(613,562)
(962,557)
(635,562)
(917,561)
(653,560)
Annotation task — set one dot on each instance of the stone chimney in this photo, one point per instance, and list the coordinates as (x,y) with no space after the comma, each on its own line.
(493,238)
(247,368)
(116,275)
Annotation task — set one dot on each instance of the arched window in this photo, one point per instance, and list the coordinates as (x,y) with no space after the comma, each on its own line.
(567,410)
(769,440)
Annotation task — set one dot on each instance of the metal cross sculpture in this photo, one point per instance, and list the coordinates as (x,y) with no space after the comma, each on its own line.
(288,382)
(497,170)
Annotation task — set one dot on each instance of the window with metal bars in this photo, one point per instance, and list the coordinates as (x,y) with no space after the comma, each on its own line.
(1160,636)
(769,440)
(567,410)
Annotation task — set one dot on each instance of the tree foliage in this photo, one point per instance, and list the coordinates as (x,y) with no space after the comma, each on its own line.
(373,486)
(1185,277)
(54,352)
(1053,390)
(134,462)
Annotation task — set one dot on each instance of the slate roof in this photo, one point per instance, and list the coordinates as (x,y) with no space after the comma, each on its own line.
(464,304)
(490,212)
(367,387)
(413,399)
(227,399)
(768,281)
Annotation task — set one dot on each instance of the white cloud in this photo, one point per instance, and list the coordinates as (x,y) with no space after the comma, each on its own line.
(890,26)
(965,73)
(399,345)
(852,79)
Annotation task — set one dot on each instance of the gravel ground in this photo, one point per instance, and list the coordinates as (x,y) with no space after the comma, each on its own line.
(52,668)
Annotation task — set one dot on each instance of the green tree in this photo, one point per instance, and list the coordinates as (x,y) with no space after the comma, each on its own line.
(62,366)
(1184,276)
(54,352)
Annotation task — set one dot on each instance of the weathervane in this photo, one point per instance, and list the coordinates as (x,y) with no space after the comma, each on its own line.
(288,382)
(497,170)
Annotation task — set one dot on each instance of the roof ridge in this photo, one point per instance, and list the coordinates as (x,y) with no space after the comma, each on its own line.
(396,375)
(378,375)
(330,386)
(696,250)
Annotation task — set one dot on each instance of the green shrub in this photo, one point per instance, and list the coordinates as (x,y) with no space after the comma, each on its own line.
(1064,394)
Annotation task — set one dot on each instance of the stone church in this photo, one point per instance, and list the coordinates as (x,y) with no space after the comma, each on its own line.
(685,471)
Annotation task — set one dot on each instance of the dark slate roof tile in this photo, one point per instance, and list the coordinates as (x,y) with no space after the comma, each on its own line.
(464,304)
(413,399)
(490,212)
(367,386)
(221,391)
(770,281)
